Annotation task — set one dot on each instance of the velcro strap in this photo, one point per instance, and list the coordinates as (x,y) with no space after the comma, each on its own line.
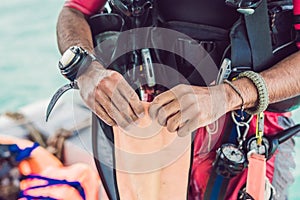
(296,19)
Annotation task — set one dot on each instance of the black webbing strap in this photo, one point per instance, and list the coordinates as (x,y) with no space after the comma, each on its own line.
(251,44)
(218,191)
(296,22)
(296,19)
(217,184)
(258,30)
(103,151)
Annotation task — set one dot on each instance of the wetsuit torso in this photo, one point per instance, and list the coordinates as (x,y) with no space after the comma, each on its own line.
(214,13)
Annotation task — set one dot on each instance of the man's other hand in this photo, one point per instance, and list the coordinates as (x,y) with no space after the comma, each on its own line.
(185,108)
(109,96)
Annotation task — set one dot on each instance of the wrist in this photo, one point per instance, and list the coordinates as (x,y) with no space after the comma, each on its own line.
(233,100)
(74,62)
(92,70)
(248,94)
(261,91)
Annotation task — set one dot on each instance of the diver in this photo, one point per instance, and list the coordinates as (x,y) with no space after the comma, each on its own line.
(190,107)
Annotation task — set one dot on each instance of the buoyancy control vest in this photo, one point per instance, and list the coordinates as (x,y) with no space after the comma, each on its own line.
(219,21)
(219,29)
(215,25)
(210,24)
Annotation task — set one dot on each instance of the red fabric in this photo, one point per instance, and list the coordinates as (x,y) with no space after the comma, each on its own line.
(296,4)
(203,161)
(87,7)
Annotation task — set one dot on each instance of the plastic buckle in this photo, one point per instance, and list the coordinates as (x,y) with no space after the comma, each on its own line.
(246,7)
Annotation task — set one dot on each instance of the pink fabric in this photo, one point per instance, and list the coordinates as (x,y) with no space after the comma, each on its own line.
(256,181)
(297,12)
(87,7)
(203,161)
(296,7)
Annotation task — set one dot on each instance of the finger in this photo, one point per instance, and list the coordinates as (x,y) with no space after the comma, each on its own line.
(174,122)
(110,98)
(111,109)
(167,111)
(124,107)
(188,127)
(159,102)
(177,120)
(99,110)
(186,102)
(164,97)
(175,93)
(130,96)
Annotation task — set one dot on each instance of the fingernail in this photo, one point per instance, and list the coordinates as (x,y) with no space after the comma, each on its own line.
(162,122)
(141,115)
(153,110)
(152,114)
(181,133)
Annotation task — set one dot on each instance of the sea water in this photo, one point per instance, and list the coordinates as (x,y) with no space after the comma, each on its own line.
(29,56)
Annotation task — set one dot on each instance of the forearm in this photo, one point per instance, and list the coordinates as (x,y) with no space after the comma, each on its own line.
(282,82)
(283,79)
(73,29)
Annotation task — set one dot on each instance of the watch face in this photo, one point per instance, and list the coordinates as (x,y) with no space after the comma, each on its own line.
(67,58)
(232,153)
(74,62)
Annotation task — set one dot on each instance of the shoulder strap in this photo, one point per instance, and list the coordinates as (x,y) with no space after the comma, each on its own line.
(257,26)
(251,44)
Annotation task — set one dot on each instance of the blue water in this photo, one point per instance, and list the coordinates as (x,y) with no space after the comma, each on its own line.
(29,55)
(28,64)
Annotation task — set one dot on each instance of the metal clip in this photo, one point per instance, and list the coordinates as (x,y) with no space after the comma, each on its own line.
(224,71)
(147,63)
(246,7)
(259,128)
(241,138)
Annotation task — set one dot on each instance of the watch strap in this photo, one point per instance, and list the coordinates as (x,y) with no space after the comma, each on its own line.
(82,61)
(58,94)
(71,70)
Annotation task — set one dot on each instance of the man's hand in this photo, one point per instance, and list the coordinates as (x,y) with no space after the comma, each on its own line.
(109,96)
(185,108)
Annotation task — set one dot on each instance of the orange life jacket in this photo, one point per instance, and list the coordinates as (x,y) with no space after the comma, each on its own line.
(44,176)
